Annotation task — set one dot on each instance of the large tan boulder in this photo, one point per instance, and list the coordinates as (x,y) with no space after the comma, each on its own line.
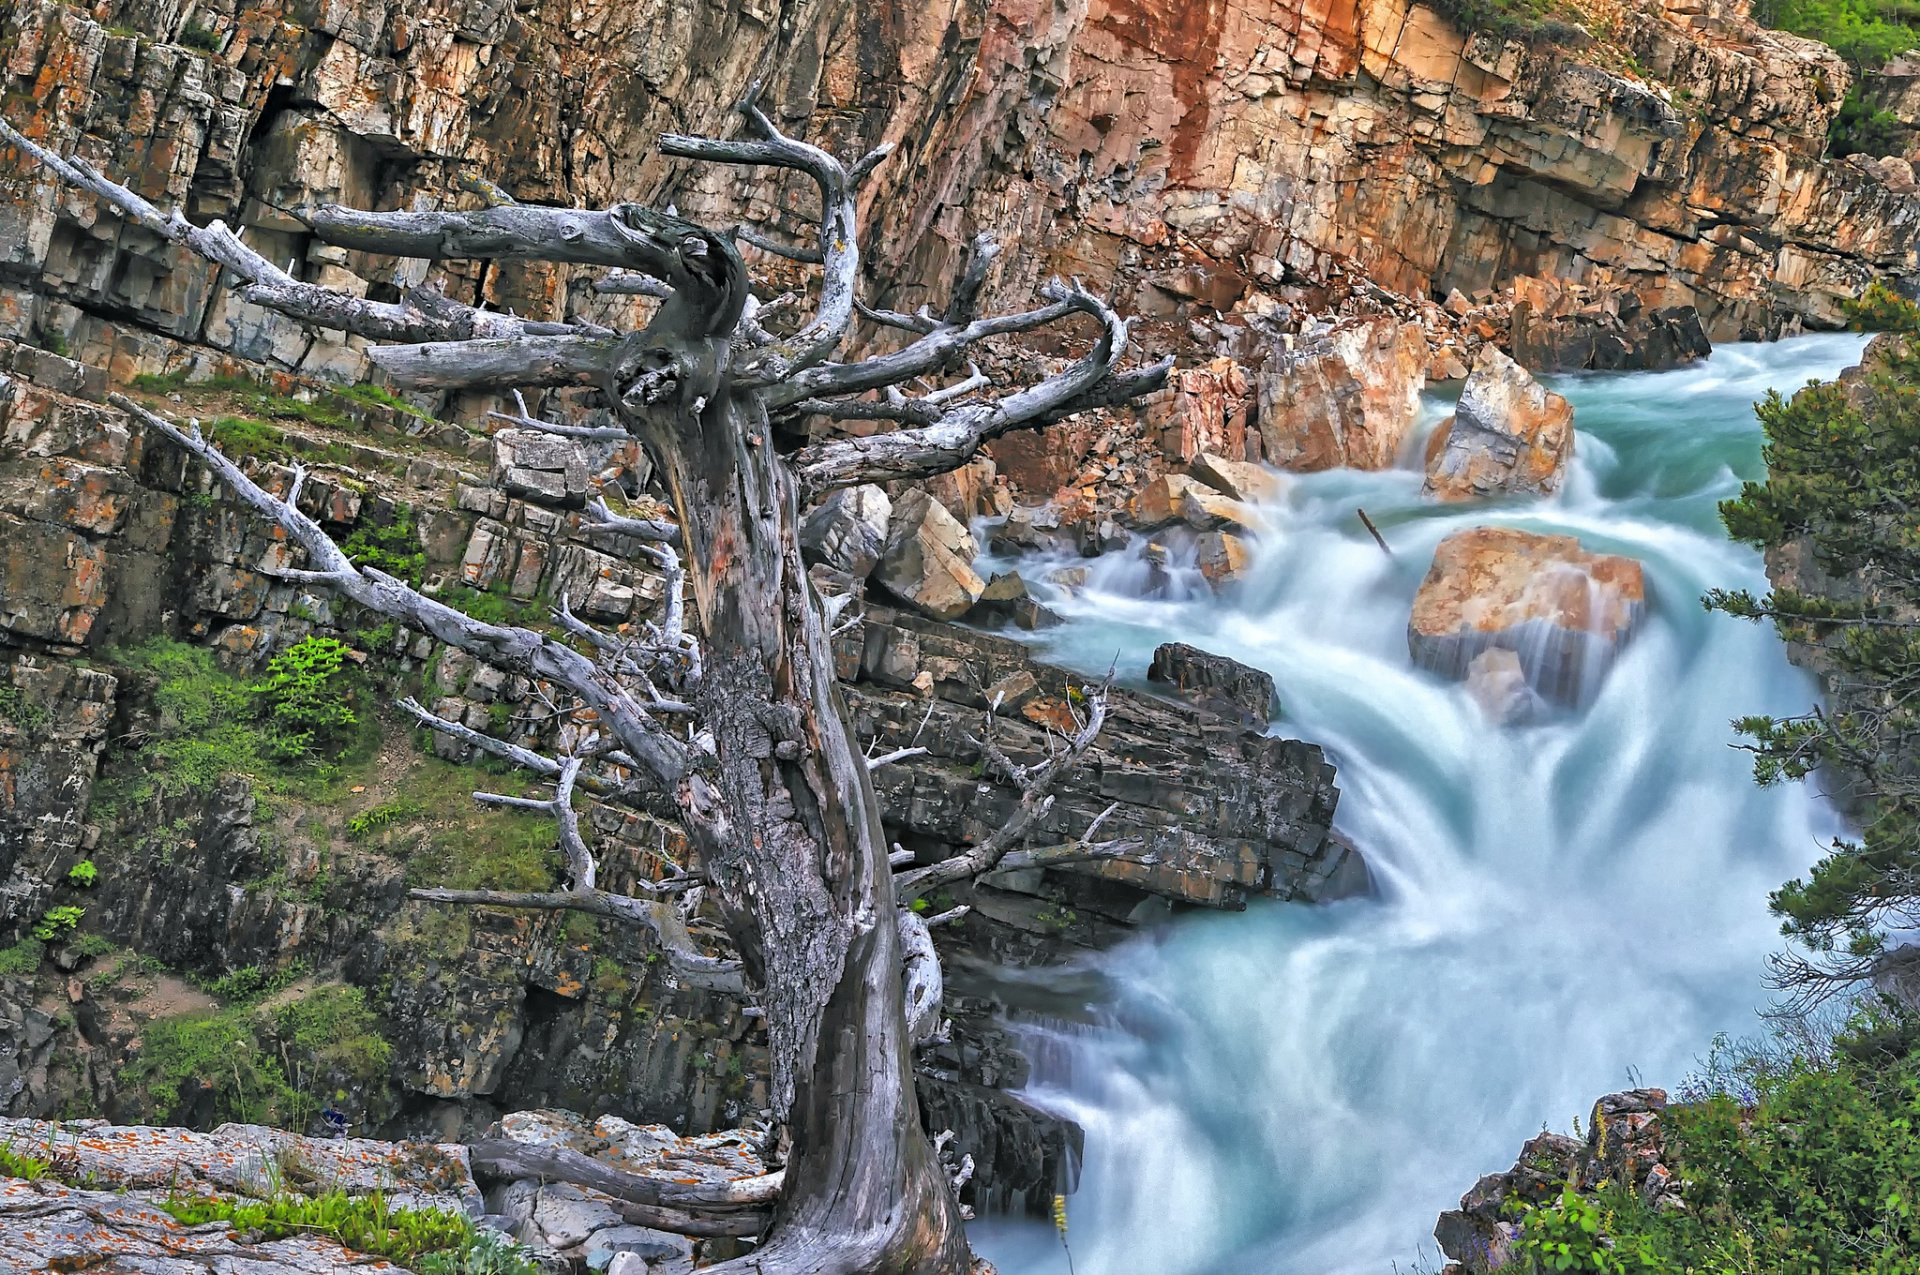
(1509,433)
(928,559)
(1344,397)
(1563,611)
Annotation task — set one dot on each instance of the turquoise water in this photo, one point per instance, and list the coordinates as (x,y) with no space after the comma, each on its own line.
(1562,910)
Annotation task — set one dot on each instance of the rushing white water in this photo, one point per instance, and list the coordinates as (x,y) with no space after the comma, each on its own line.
(1562,909)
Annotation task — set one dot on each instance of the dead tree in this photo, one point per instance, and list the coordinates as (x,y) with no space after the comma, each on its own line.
(727,713)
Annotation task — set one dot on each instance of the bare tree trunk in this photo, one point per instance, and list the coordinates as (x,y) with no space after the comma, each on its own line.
(796,851)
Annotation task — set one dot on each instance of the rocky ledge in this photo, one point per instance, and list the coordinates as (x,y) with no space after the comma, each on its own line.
(89,1195)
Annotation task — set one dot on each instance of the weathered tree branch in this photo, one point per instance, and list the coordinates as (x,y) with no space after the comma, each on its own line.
(1036,784)
(957,435)
(839,235)
(922,981)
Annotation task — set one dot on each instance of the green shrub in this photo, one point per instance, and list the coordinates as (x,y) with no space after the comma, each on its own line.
(1530,21)
(250,982)
(308,700)
(23,957)
(1790,1161)
(83,874)
(393,547)
(1860,130)
(1881,309)
(197,35)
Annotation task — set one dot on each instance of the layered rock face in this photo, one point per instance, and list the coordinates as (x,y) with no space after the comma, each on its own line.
(1563,611)
(1224,167)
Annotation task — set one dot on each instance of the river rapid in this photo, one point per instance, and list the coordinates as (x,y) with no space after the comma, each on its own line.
(1561,910)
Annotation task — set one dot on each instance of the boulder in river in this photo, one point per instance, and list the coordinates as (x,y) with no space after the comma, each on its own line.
(1564,612)
(1509,433)
(928,559)
(1222,557)
(1179,498)
(1007,599)
(1345,396)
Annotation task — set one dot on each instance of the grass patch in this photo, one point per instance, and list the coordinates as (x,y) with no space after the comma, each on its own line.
(490,607)
(258,1065)
(464,846)
(432,1241)
(290,730)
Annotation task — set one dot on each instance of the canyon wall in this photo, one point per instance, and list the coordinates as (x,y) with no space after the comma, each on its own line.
(1218,162)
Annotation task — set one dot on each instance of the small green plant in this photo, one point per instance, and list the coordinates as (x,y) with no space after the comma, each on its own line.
(57,920)
(19,1164)
(55,342)
(368,822)
(83,874)
(92,945)
(197,35)
(307,699)
(17,709)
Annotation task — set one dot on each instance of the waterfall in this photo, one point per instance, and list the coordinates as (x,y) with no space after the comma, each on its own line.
(1562,909)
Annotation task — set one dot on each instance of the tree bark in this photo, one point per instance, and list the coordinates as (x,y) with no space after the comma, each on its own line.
(789,833)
